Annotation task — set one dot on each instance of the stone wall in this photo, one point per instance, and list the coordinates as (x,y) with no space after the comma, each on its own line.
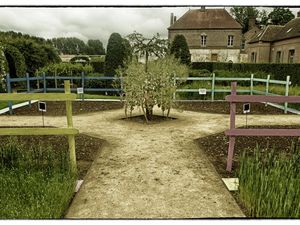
(223,55)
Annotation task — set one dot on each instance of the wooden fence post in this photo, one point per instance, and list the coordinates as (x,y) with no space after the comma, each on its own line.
(213,87)
(45,82)
(28,87)
(8,86)
(251,84)
(286,92)
(82,85)
(232,126)
(71,138)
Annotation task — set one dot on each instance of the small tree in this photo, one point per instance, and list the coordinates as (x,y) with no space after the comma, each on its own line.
(180,49)
(155,86)
(147,47)
(115,54)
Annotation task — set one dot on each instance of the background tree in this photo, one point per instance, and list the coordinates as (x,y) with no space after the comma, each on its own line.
(242,15)
(180,49)
(146,47)
(95,47)
(280,15)
(155,86)
(70,45)
(115,54)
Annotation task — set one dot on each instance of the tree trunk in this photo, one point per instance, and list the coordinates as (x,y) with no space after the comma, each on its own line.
(149,113)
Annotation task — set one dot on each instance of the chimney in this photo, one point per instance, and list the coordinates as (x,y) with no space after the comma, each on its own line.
(203,8)
(298,14)
(172,19)
(175,18)
(251,23)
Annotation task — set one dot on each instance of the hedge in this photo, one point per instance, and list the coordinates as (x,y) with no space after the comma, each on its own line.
(98,66)
(279,71)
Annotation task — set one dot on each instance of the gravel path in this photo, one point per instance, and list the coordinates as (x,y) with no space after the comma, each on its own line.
(152,171)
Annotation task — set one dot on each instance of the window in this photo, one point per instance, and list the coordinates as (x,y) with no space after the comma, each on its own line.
(203,40)
(214,57)
(253,57)
(278,57)
(243,45)
(291,56)
(230,41)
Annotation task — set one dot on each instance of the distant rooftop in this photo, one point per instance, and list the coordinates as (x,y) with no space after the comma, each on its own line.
(205,19)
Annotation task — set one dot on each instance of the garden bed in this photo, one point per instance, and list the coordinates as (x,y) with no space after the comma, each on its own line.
(86,147)
(58,108)
(216,146)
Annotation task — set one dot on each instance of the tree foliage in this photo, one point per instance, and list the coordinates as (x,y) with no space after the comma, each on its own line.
(280,15)
(37,52)
(95,47)
(242,15)
(115,54)
(146,47)
(75,46)
(180,49)
(156,86)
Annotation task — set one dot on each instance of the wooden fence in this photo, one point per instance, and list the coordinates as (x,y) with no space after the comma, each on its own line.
(70,131)
(234,132)
(212,90)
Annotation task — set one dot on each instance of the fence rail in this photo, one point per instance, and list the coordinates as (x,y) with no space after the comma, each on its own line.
(69,131)
(212,90)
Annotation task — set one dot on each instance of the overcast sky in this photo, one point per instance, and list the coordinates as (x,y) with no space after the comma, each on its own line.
(89,23)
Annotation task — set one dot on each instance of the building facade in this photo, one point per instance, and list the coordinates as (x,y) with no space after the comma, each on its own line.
(276,44)
(211,34)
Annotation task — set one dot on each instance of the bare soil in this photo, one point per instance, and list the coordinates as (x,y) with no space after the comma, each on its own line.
(224,108)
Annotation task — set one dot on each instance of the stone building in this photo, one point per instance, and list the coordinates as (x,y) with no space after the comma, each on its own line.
(211,34)
(276,44)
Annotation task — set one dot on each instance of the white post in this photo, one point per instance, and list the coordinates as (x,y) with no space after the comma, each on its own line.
(286,92)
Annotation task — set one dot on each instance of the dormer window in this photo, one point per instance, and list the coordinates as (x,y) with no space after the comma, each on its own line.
(203,40)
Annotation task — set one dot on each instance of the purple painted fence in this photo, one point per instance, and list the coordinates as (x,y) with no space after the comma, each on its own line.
(235,132)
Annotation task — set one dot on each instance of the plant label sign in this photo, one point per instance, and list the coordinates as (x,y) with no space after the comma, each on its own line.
(202,91)
(80,90)
(42,106)
(246,108)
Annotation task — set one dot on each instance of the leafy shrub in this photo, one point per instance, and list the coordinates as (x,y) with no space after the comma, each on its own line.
(95,83)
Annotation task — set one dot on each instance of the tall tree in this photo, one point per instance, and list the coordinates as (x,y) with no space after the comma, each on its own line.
(280,15)
(242,15)
(180,49)
(95,47)
(115,54)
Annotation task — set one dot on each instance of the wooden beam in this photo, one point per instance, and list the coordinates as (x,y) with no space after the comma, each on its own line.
(257,98)
(38,96)
(263,132)
(38,131)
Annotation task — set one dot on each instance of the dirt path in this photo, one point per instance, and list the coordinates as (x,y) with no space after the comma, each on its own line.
(152,171)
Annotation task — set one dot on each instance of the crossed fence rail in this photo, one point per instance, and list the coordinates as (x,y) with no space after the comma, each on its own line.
(212,90)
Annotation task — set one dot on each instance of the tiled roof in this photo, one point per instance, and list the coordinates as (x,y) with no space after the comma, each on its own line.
(205,19)
(277,33)
(268,34)
(290,30)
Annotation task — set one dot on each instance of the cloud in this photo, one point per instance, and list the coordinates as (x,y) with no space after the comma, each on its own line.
(89,23)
